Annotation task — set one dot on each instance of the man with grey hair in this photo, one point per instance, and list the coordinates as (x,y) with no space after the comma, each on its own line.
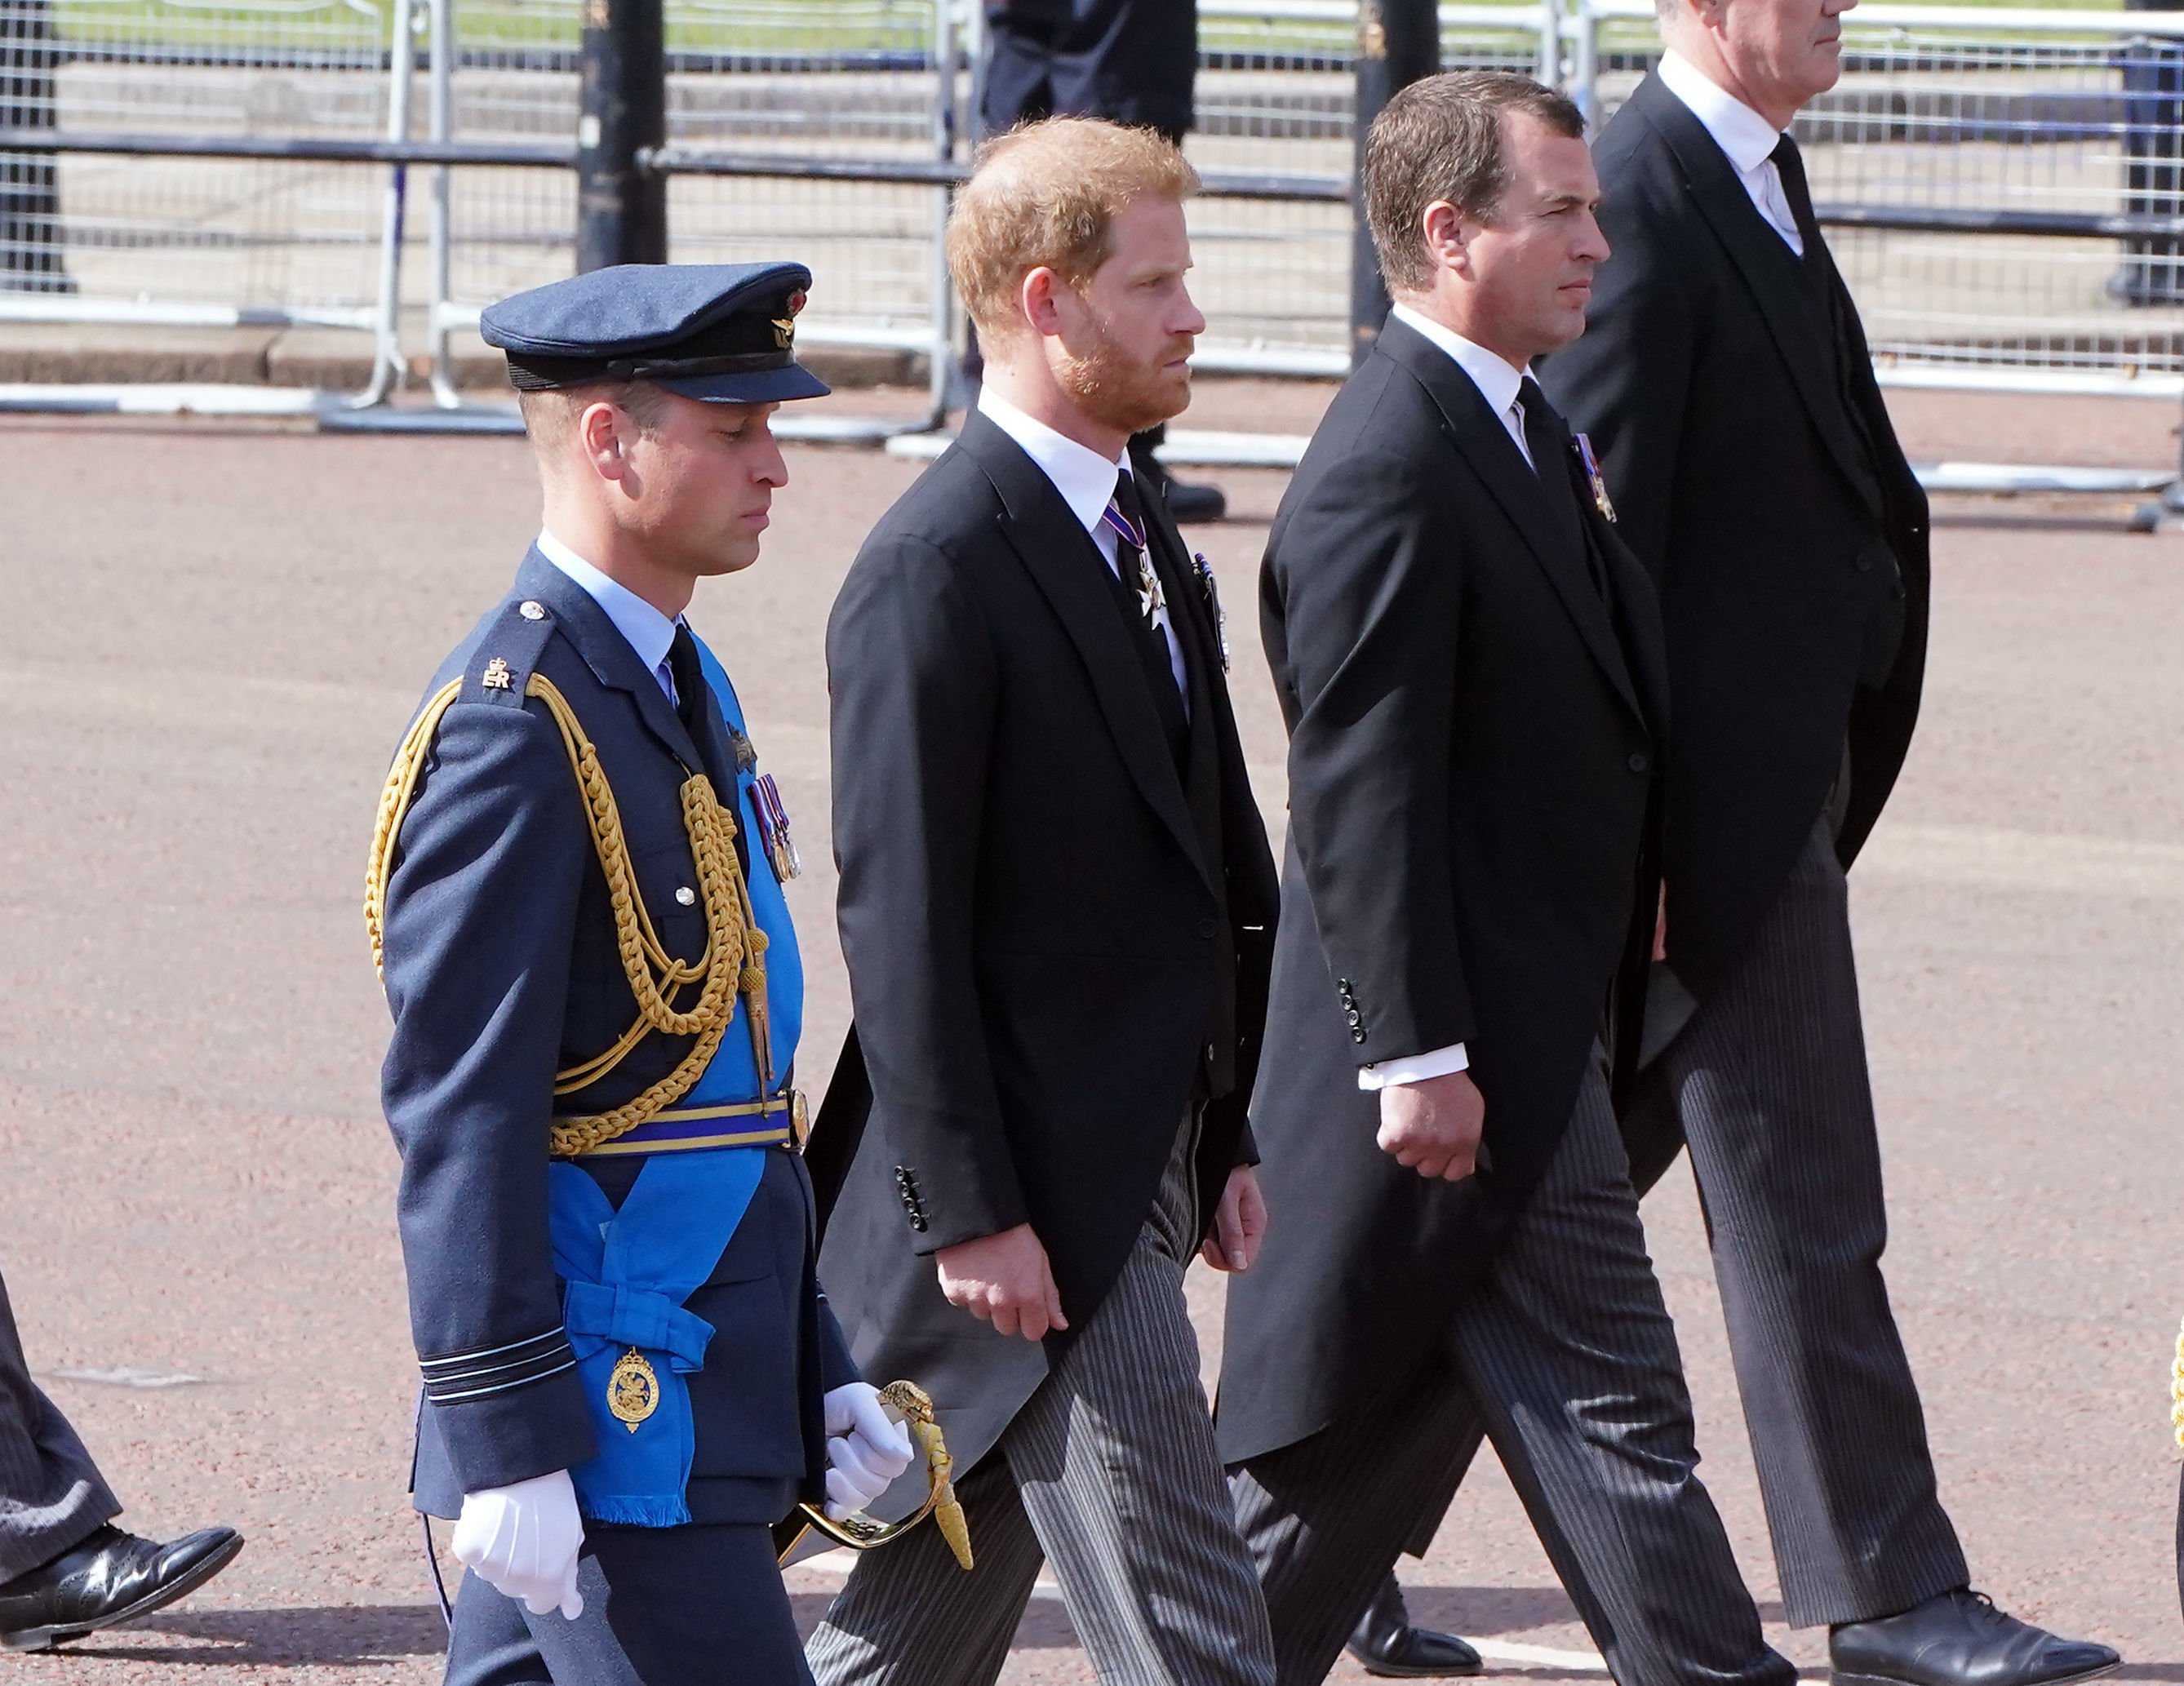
(1469,662)
(1727,381)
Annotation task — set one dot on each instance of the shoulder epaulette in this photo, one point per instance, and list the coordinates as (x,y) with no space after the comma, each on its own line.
(507,652)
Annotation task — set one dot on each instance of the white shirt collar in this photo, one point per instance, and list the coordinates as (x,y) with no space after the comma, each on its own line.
(650,633)
(1742,133)
(1498,381)
(1084,478)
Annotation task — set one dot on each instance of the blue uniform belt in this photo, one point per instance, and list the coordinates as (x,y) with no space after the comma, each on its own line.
(685,1129)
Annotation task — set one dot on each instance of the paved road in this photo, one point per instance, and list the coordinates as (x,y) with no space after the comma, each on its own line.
(214,637)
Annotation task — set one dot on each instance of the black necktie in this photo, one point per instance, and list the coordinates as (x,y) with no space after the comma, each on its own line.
(690,691)
(1546,436)
(1125,518)
(1790,165)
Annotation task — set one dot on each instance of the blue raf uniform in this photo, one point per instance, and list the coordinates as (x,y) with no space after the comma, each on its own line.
(597,996)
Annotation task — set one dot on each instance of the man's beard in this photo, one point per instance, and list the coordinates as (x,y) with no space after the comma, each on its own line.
(1118,393)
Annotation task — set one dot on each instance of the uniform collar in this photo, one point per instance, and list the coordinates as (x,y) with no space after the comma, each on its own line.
(1748,139)
(1498,381)
(1084,478)
(647,632)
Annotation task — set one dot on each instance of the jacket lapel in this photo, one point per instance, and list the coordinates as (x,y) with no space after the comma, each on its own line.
(1796,319)
(1061,559)
(608,654)
(1645,652)
(1192,620)
(1486,446)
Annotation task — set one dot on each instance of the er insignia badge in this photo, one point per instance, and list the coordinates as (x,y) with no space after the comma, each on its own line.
(633,1389)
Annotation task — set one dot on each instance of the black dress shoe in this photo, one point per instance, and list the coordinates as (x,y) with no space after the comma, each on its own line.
(1960,1638)
(112,1576)
(1389,1647)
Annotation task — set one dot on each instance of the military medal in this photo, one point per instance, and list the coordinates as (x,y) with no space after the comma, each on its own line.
(774,827)
(1150,602)
(1592,473)
(633,1389)
(1214,604)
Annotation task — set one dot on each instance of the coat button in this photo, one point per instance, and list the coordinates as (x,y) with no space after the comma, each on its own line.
(1357,1034)
(686,896)
(1638,761)
(1206,930)
(531,610)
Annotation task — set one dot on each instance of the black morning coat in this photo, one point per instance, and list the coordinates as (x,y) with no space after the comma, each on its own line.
(1055,940)
(1472,736)
(501,968)
(1760,483)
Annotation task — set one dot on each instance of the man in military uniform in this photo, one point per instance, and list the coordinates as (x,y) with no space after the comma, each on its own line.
(629,1370)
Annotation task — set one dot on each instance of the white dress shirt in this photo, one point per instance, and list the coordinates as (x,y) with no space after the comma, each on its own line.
(650,633)
(1086,481)
(1745,137)
(1499,382)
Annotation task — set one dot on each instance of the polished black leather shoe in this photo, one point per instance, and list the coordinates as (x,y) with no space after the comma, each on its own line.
(1388,1645)
(1194,505)
(1960,1638)
(1188,505)
(112,1576)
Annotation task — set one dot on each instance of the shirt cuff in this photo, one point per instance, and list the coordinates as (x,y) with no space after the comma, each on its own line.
(1414,1069)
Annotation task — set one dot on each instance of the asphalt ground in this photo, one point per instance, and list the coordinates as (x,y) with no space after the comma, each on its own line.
(214,636)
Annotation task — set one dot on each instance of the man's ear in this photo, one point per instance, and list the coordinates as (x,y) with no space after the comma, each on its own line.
(602,434)
(1446,232)
(1036,296)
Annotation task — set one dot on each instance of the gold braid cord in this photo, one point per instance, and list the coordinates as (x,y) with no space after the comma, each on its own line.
(734,960)
(2177,1389)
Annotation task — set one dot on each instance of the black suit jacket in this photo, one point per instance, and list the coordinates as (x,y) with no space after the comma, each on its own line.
(1129,61)
(1055,936)
(1775,510)
(1472,750)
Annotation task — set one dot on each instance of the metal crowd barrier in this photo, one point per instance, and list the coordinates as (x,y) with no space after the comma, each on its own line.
(2005,185)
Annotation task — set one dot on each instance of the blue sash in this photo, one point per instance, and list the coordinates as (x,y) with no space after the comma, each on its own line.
(627,1274)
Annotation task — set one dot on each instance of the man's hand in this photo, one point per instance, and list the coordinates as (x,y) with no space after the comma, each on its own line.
(522,1540)
(1238,1226)
(865,1448)
(1432,1125)
(1004,1280)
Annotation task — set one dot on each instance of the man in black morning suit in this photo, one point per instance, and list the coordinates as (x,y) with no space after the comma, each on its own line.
(1726,381)
(1469,663)
(1056,904)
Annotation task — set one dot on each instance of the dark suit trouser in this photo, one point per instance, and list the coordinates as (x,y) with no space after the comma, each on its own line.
(1109,1471)
(1566,1356)
(52,1495)
(1767,1084)
(700,1605)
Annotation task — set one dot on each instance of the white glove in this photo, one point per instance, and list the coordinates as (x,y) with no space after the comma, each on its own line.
(522,1540)
(865,1449)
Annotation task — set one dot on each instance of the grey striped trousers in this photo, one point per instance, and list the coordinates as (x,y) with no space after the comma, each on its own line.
(1566,1358)
(1108,1470)
(1767,1084)
(52,1495)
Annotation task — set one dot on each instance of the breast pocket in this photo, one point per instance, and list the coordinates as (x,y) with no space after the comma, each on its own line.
(668,882)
